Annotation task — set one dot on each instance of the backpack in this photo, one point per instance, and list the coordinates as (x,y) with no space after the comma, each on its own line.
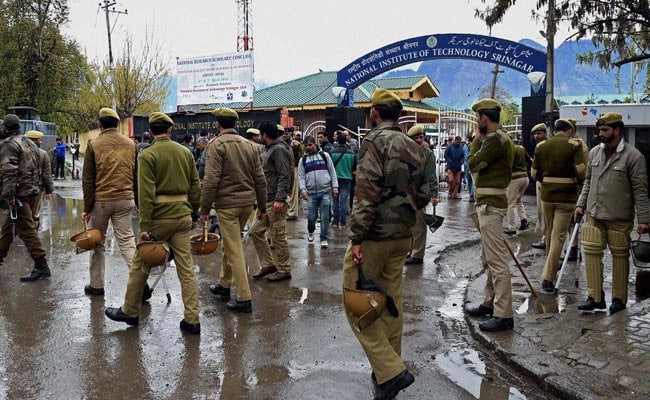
(320,153)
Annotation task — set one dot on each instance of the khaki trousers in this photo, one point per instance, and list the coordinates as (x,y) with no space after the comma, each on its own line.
(119,214)
(233,263)
(381,340)
(25,228)
(515,192)
(176,232)
(540,210)
(294,197)
(620,269)
(498,291)
(453,178)
(420,229)
(557,217)
(276,225)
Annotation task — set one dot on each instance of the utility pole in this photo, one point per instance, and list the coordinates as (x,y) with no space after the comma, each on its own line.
(550,56)
(495,73)
(107,10)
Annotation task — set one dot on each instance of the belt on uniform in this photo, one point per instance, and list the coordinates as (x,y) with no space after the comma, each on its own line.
(489,191)
(551,179)
(169,198)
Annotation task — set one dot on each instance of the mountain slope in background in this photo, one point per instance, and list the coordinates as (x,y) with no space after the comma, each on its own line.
(460,81)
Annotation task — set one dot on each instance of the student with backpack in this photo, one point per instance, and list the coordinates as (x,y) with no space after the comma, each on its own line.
(316,178)
(345,163)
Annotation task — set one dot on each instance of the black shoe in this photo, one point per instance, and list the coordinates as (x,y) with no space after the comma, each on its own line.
(617,305)
(91,291)
(524,225)
(192,329)
(413,261)
(240,306)
(548,286)
(591,305)
(116,314)
(146,293)
(480,311)
(495,324)
(539,245)
(40,271)
(221,292)
(389,389)
(509,232)
(373,377)
(265,271)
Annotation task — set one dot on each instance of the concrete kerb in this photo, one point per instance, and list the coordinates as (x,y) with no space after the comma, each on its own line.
(548,371)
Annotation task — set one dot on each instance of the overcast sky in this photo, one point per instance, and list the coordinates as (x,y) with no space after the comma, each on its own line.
(291,38)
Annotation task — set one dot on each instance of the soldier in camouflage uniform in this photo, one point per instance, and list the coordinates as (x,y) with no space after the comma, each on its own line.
(490,160)
(391,186)
(46,183)
(559,165)
(20,163)
(169,197)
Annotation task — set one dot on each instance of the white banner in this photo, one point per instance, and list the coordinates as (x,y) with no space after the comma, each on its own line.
(221,78)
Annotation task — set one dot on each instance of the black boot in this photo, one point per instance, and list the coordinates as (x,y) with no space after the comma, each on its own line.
(146,293)
(591,305)
(573,254)
(524,225)
(40,271)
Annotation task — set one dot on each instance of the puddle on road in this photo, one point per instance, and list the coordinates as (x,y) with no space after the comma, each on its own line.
(465,368)
(453,305)
(545,304)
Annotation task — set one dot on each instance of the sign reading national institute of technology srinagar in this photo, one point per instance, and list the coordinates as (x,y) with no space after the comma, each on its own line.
(221,78)
(519,57)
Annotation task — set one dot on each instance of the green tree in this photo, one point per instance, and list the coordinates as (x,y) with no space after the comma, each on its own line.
(620,29)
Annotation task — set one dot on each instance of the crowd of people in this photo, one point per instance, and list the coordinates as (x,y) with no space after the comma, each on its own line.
(255,182)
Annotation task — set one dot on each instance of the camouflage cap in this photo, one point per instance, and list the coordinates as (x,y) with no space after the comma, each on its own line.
(539,127)
(253,131)
(34,134)
(280,128)
(11,121)
(382,97)
(225,113)
(108,113)
(486,104)
(416,130)
(609,118)
(160,117)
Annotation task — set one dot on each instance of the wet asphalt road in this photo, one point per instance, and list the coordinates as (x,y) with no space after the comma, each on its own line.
(55,342)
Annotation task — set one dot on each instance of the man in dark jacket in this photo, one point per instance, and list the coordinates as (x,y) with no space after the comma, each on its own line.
(278,170)
(454,156)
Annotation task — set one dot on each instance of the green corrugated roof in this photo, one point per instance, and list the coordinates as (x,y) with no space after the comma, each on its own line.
(316,89)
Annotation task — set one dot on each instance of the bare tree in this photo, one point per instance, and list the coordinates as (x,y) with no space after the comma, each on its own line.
(141,77)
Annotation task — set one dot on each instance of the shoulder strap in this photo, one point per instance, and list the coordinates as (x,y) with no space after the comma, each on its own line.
(338,159)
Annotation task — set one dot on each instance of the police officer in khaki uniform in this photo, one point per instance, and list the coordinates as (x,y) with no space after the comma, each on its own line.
(539,133)
(46,182)
(420,229)
(390,180)
(169,197)
(559,165)
(616,185)
(233,179)
(516,189)
(490,161)
(20,166)
(297,150)
(109,194)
